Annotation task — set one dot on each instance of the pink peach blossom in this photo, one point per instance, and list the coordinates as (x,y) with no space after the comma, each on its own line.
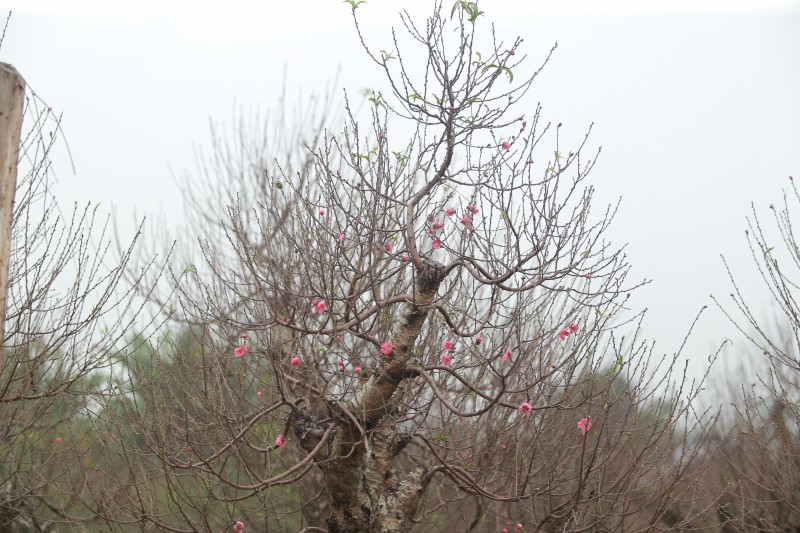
(466,220)
(450,211)
(564,334)
(436,244)
(525,408)
(445,359)
(340,237)
(389,247)
(519,527)
(386,348)
(280,441)
(478,339)
(507,355)
(260,393)
(573,328)
(240,351)
(473,208)
(295,361)
(319,306)
(506,145)
(585,424)
(321,211)
(448,345)
(357,370)
(58,440)
(238,527)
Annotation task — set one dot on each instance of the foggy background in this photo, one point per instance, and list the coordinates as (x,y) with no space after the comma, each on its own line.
(695,104)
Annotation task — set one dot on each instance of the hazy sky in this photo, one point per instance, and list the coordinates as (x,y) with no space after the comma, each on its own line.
(695,104)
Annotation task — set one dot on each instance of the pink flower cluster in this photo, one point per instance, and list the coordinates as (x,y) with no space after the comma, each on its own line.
(446,358)
(238,527)
(386,349)
(507,355)
(434,226)
(519,527)
(280,441)
(319,306)
(566,332)
(585,424)
(241,350)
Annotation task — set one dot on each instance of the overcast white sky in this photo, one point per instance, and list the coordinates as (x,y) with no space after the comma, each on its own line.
(694,102)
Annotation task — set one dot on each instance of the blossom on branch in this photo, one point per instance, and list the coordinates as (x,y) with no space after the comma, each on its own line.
(585,424)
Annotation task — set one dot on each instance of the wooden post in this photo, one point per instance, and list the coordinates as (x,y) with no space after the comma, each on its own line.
(12,98)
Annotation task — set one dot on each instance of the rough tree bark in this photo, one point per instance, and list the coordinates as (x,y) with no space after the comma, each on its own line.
(366,492)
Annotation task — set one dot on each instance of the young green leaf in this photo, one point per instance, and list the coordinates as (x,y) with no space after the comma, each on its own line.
(354,4)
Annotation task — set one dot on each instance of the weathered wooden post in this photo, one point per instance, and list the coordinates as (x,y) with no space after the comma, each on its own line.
(12,96)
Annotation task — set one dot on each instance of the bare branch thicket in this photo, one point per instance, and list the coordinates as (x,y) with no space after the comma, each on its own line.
(757,462)
(391,331)
(64,324)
